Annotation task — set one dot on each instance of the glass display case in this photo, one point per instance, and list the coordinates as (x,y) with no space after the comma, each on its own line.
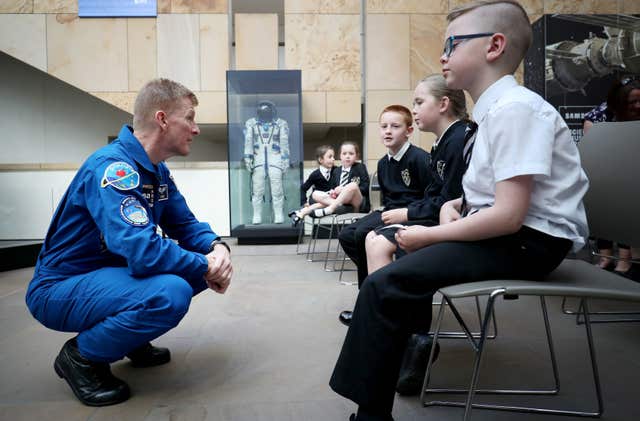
(265,153)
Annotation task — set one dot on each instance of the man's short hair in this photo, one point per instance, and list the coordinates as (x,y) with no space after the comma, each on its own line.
(158,94)
(505,16)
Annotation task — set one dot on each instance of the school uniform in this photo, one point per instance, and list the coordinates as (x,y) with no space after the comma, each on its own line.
(403,179)
(358,174)
(321,179)
(519,134)
(445,171)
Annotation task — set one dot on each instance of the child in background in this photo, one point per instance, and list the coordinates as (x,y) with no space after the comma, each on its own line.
(351,183)
(508,224)
(320,179)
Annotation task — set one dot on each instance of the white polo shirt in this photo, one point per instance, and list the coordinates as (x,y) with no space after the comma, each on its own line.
(519,133)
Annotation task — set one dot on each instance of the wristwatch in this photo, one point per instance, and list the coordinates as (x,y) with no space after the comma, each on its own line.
(219,241)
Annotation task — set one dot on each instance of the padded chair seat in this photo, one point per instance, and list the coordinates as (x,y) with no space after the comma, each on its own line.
(573,278)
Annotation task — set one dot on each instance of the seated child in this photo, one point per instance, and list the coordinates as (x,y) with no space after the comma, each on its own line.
(520,213)
(351,183)
(442,111)
(350,186)
(320,179)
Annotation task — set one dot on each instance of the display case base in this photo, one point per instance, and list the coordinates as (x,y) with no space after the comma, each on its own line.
(266,234)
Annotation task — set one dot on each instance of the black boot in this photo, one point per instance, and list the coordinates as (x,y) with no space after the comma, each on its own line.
(91,382)
(148,355)
(345,317)
(414,364)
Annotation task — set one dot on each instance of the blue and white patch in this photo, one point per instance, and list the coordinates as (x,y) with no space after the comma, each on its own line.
(133,212)
(120,175)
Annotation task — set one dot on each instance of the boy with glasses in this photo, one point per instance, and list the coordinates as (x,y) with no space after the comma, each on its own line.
(521,210)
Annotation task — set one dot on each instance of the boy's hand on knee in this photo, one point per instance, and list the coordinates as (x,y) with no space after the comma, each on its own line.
(450,211)
(413,238)
(395,216)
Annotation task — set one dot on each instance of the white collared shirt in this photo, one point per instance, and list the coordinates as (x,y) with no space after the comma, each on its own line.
(398,156)
(326,172)
(519,133)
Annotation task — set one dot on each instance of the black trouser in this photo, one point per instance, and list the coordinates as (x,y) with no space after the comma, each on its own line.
(396,300)
(352,239)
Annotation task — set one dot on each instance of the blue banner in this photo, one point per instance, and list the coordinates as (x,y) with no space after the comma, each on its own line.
(116,8)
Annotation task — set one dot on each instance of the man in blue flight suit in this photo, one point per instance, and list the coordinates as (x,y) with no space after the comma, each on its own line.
(104,271)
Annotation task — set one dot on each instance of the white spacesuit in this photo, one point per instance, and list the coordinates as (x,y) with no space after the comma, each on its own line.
(266,152)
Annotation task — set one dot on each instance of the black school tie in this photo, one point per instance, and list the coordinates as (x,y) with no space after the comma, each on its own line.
(344,178)
(469,141)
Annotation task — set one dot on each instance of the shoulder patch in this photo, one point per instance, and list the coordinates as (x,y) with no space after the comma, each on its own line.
(133,212)
(120,175)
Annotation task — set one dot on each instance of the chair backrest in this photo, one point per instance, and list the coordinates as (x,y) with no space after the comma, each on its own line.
(610,155)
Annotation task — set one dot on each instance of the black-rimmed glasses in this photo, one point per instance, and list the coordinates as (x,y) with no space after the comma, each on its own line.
(449,45)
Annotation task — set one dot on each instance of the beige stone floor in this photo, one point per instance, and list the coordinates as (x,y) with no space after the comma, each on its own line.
(265,351)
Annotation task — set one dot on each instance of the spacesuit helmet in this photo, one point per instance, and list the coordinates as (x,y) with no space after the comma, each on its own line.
(266,111)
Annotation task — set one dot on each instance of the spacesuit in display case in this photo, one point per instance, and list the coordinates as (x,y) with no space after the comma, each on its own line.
(266,154)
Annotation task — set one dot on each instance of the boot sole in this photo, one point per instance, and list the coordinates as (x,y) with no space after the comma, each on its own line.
(60,373)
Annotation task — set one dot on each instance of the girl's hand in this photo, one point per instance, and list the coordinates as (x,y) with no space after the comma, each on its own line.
(413,238)
(450,211)
(395,216)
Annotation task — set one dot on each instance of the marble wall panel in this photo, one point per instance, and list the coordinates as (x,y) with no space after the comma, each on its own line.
(531,6)
(314,107)
(584,6)
(142,52)
(55,6)
(88,53)
(16,6)
(322,6)
(199,6)
(378,100)
(212,107)
(122,100)
(388,52)
(630,6)
(375,149)
(214,51)
(427,35)
(327,50)
(164,6)
(23,36)
(179,52)
(256,36)
(344,107)
(407,6)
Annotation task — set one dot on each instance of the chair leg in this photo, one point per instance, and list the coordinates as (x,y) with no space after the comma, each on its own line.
(479,347)
(579,321)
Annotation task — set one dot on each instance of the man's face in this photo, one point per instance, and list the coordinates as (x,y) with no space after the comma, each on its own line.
(181,128)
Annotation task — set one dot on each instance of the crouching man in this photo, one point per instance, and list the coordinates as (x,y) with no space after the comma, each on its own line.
(104,271)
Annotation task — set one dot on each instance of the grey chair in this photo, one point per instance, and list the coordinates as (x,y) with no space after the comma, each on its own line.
(611,188)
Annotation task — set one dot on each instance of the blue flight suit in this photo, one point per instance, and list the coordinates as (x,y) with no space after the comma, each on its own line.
(104,271)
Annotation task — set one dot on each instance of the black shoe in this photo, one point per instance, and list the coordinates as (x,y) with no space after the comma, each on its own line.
(363,416)
(148,356)
(91,382)
(345,317)
(295,219)
(414,364)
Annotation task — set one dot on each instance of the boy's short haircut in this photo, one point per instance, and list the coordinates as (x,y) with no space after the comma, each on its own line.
(321,150)
(352,143)
(159,94)
(400,109)
(505,16)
